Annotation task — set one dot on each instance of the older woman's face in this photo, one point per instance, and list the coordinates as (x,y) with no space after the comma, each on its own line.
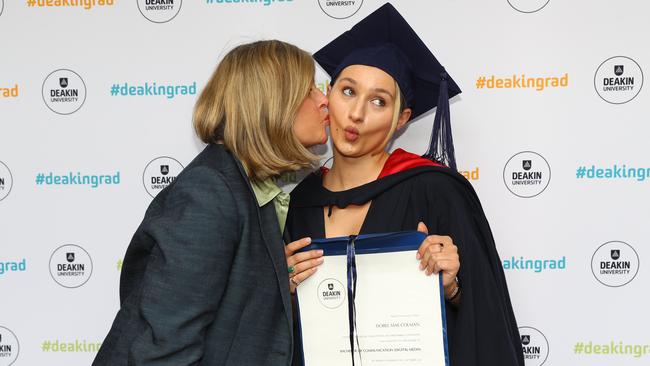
(311,119)
(361,105)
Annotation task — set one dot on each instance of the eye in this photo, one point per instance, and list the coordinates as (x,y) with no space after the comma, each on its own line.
(379,102)
(347,91)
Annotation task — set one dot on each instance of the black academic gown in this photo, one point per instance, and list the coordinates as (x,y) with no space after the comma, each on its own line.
(482,330)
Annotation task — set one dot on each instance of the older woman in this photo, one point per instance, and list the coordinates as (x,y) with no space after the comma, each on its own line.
(204,278)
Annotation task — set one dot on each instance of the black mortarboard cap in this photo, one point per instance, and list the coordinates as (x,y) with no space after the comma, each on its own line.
(385,40)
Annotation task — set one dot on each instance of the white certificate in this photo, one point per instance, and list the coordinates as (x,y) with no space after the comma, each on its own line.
(399,310)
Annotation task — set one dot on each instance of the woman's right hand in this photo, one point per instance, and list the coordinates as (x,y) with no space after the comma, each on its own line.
(301,265)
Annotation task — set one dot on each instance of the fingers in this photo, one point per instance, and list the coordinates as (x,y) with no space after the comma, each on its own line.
(292,247)
(304,256)
(306,265)
(438,254)
(446,264)
(434,258)
(443,240)
(300,277)
(435,240)
(426,255)
(302,265)
(422,228)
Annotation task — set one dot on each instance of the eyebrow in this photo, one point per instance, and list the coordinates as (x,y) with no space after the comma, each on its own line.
(350,80)
(381,90)
(376,90)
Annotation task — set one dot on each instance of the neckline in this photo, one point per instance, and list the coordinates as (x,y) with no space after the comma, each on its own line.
(399,160)
(363,224)
(325,170)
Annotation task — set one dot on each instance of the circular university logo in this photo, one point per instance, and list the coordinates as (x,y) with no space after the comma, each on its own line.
(528,6)
(615,264)
(159,173)
(71,266)
(331,293)
(618,80)
(535,346)
(64,92)
(159,11)
(526,174)
(2,6)
(9,347)
(340,9)
(6,181)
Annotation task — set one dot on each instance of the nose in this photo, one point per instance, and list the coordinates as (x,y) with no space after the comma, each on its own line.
(357,110)
(322,100)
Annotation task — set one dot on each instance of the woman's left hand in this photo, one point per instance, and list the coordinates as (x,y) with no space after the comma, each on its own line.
(439,254)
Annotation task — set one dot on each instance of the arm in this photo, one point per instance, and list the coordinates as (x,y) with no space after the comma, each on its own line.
(301,265)
(482,329)
(439,254)
(196,234)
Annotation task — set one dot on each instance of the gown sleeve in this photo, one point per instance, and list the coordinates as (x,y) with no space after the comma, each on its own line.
(482,330)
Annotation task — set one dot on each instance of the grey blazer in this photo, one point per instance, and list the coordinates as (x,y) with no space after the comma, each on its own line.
(204,280)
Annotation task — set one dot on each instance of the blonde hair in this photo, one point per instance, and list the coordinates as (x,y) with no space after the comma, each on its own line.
(250,104)
(397,111)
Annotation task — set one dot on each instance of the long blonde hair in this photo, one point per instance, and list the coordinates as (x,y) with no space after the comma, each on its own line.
(250,104)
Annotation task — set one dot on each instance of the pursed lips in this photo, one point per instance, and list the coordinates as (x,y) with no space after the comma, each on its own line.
(351,134)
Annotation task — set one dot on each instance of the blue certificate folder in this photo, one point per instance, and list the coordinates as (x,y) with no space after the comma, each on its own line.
(350,313)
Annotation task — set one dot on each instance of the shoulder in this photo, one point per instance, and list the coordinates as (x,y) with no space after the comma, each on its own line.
(442,176)
(307,188)
(213,170)
(422,173)
(216,158)
(444,185)
(211,181)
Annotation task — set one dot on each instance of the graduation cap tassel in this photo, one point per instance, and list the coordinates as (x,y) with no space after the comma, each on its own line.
(441,146)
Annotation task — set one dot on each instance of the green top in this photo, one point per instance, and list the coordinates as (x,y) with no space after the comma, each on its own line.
(265,192)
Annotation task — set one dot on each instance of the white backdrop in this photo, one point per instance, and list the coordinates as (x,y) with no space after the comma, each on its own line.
(571,141)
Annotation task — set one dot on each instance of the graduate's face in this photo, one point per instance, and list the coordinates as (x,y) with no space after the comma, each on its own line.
(362,107)
(311,119)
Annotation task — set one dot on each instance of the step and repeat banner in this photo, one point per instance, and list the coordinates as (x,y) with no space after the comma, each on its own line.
(552,130)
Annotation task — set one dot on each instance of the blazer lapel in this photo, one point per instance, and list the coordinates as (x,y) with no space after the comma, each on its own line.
(275,248)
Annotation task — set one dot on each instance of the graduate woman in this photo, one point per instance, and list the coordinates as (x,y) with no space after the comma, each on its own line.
(204,278)
(383,75)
